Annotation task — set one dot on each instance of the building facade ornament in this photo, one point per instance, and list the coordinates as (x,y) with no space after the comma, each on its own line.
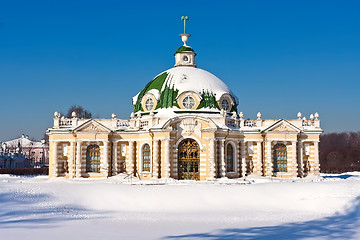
(185,120)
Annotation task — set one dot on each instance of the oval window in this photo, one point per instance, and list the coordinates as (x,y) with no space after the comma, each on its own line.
(188,102)
(149,104)
(225,104)
(185,58)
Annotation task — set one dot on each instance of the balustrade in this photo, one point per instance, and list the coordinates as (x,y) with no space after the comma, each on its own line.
(249,123)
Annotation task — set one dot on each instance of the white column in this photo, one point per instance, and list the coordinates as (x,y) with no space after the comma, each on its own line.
(212,171)
(301,160)
(237,158)
(130,166)
(243,159)
(105,160)
(259,158)
(167,158)
(316,158)
(155,159)
(294,159)
(55,164)
(78,159)
(269,163)
(222,158)
(72,160)
(115,159)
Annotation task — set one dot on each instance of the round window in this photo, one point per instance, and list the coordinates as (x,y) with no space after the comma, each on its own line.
(185,58)
(225,104)
(188,102)
(149,104)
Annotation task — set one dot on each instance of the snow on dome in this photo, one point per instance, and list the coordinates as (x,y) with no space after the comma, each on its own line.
(171,83)
(156,93)
(197,80)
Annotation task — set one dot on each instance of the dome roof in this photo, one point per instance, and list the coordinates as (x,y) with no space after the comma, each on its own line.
(184,49)
(192,88)
(170,84)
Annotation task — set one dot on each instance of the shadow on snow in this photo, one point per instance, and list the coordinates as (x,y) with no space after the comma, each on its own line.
(344,176)
(30,210)
(339,226)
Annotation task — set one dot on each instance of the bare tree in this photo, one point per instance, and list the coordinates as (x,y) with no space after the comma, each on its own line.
(340,152)
(80,112)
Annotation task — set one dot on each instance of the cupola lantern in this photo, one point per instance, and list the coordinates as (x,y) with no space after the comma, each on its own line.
(185,55)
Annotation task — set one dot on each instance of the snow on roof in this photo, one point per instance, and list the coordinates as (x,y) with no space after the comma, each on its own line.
(24,142)
(194,79)
(197,80)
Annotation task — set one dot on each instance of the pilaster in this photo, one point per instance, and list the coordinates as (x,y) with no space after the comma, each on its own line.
(155,159)
(294,159)
(105,161)
(269,162)
(243,159)
(316,158)
(78,159)
(212,171)
(222,158)
(259,158)
(55,166)
(167,158)
(71,160)
(301,160)
(130,165)
(115,164)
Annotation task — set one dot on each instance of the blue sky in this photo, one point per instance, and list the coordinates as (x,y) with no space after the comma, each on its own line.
(278,57)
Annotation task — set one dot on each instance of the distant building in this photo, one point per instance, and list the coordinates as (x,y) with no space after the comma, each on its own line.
(13,160)
(23,147)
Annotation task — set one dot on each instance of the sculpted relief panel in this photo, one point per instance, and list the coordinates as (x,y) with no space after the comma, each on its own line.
(189,126)
(283,128)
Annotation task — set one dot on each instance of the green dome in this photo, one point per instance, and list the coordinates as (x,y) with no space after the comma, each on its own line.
(170,84)
(184,49)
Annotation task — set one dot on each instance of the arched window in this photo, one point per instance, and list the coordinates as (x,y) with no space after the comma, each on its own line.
(225,104)
(149,104)
(280,158)
(146,158)
(229,158)
(188,102)
(93,158)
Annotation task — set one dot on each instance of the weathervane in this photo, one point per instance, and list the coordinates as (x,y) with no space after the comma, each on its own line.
(184,18)
(184,36)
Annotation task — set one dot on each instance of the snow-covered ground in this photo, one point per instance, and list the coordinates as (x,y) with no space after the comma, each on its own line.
(327,207)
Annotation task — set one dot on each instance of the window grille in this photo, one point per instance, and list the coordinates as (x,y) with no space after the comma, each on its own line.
(280,158)
(149,104)
(146,158)
(93,158)
(229,158)
(188,102)
(225,104)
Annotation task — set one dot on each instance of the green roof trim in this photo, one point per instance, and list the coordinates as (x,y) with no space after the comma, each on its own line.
(156,83)
(207,112)
(168,98)
(208,100)
(184,49)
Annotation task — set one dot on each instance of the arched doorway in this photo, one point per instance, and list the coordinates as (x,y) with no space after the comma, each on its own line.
(188,160)
(280,158)
(93,158)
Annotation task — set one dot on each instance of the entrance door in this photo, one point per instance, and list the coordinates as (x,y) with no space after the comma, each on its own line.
(188,160)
